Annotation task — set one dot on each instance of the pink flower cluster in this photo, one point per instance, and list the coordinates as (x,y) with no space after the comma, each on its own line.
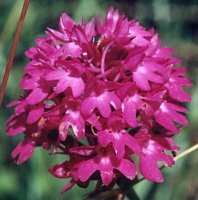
(103,94)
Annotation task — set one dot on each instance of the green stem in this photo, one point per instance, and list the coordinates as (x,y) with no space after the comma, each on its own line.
(13,50)
(186,152)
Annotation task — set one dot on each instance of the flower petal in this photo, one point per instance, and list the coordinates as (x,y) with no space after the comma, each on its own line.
(36,96)
(127,168)
(149,169)
(24,150)
(35,114)
(86,169)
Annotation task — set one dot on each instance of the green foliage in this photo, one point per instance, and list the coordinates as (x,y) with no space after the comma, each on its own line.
(32,181)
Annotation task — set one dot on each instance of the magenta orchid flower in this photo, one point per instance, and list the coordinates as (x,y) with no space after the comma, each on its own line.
(103,93)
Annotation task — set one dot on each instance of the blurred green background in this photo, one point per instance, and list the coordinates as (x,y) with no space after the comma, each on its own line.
(177,23)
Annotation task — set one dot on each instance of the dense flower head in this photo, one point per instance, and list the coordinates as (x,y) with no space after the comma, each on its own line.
(102,93)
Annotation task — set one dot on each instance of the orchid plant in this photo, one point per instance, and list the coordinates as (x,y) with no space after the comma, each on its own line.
(107,95)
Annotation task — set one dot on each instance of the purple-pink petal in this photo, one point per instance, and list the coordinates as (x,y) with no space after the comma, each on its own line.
(102,102)
(24,150)
(177,93)
(128,169)
(86,169)
(35,114)
(65,81)
(70,50)
(75,120)
(15,126)
(129,108)
(69,185)
(150,170)
(36,96)
(119,141)
(66,23)
(168,114)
